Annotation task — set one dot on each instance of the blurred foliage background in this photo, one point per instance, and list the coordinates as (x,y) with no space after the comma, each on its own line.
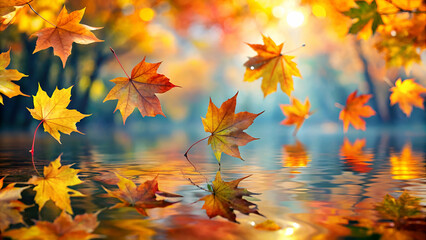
(202,46)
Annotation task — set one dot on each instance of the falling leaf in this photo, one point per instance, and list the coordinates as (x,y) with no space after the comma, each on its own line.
(227,128)
(397,209)
(268,225)
(407,94)
(54,114)
(272,66)
(227,197)
(354,155)
(7,87)
(64,227)
(10,207)
(295,156)
(67,30)
(142,197)
(139,90)
(407,164)
(295,113)
(54,185)
(366,16)
(355,109)
(12,3)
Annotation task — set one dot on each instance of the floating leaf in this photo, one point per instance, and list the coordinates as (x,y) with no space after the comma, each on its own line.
(227,197)
(272,66)
(68,30)
(227,128)
(355,109)
(7,87)
(63,228)
(407,94)
(268,225)
(55,185)
(142,197)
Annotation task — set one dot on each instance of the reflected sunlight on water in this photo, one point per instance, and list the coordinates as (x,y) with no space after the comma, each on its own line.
(311,186)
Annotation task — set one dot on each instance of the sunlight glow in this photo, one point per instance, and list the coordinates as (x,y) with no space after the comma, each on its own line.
(278,12)
(295,19)
(146,14)
(319,11)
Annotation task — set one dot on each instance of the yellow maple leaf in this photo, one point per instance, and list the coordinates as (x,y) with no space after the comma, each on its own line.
(407,94)
(272,66)
(53,112)
(7,87)
(66,31)
(54,185)
(296,113)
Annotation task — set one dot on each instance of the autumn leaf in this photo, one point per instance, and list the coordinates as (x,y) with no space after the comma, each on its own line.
(227,128)
(63,228)
(354,155)
(227,197)
(272,66)
(53,112)
(54,185)
(66,31)
(268,225)
(12,3)
(138,91)
(366,16)
(142,197)
(295,113)
(10,207)
(407,94)
(355,109)
(397,209)
(140,229)
(7,87)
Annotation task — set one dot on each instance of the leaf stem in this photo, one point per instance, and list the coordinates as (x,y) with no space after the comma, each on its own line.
(186,153)
(338,105)
(112,50)
(40,15)
(387,80)
(32,148)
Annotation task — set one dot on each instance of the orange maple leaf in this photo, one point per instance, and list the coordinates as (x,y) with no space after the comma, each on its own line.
(407,94)
(141,197)
(227,197)
(355,109)
(7,87)
(64,227)
(354,155)
(138,91)
(296,113)
(227,128)
(272,66)
(66,31)
(12,3)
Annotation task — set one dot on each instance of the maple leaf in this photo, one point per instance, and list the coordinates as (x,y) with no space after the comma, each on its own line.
(355,156)
(227,197)
(53,112)
(66,31)
(355,109)
(7,87)
(10,207)
(268,225)
(54,185)
(12,3)
(63,227)
(227,128)
(272,66)
(400,208)
(366,15)
(296,113)
(138,91)
(141,197)
(407,94)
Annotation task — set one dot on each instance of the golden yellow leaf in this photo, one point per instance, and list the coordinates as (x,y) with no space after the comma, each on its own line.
(407,94)
(12,3)
(7,87)
(68,30)
(272,66)
(54,185)
(296,113)
(54,114)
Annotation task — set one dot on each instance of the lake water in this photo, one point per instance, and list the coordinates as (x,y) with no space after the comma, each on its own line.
(312,186)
